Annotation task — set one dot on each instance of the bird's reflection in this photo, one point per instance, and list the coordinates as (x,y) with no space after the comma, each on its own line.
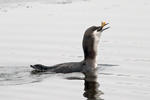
(91,87)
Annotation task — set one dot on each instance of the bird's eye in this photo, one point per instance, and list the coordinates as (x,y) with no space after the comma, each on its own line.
(99,29)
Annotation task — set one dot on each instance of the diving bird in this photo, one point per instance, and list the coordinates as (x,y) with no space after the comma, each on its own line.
(88,64)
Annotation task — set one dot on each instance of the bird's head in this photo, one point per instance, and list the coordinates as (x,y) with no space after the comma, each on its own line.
(102,27)
(96,29)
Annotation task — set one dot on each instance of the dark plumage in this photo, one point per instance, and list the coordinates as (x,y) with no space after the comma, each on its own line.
(89,44)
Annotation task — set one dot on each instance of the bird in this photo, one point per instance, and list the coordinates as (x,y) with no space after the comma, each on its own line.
(88,64)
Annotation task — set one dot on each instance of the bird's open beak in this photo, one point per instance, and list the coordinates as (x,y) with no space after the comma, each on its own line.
(103,25)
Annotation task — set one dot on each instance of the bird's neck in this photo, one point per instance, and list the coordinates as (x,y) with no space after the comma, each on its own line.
(90,53)
(90,45)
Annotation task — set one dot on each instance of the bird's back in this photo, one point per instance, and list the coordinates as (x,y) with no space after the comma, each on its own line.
(60,68)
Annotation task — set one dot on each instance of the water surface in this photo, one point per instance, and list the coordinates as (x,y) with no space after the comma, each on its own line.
(51,33)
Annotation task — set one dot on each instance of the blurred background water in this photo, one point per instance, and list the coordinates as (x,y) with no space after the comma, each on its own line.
(50,32)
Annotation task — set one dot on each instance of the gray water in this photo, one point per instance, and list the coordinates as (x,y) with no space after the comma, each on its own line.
(11,75)
(41,1)
(50,32)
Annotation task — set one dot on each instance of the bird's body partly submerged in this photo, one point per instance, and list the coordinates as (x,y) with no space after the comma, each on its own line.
(60,68)
(90,42)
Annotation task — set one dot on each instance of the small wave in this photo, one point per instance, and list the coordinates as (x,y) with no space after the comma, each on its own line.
(19,75)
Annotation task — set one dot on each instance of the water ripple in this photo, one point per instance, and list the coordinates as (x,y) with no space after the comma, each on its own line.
(19,75)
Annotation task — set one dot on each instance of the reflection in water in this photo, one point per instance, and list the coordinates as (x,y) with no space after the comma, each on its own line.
(17,75)
(91,86)
(24,75)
